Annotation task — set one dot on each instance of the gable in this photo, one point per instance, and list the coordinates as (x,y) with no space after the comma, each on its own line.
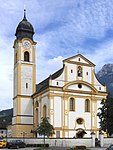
(79,59)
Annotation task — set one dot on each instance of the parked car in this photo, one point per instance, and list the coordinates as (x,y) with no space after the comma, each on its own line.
(3,143)
(110,147)
(16,144)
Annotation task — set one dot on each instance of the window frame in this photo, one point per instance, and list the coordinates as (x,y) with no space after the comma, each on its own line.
(87,105)
(26,56)
(71,104)
(79,71)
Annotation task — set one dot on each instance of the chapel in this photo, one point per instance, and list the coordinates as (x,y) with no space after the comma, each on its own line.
(70,97)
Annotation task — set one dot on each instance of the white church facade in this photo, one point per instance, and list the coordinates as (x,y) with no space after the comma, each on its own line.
(70,97)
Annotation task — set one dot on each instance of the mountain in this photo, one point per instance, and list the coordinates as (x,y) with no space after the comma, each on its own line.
(105,76)
(6,117)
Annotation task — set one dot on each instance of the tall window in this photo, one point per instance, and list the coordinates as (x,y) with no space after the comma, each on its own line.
(36,113)
(26,85)
(87,105)
(44,111)
(72,104)
(26,56)
(79,71)
(16,58)
(36,104)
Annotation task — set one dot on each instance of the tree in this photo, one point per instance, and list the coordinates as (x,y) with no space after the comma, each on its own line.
(106,115)
(45,128)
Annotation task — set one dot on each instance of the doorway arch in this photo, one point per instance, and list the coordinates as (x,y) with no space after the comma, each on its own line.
(80,133)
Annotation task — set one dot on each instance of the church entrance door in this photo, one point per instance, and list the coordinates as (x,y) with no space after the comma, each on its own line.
(80,133)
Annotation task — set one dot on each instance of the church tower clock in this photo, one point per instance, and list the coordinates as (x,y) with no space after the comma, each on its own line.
(24,79)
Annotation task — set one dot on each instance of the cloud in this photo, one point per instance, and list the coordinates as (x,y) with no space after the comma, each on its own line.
(47,67)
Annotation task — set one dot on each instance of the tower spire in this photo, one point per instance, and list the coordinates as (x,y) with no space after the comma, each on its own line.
(24,13)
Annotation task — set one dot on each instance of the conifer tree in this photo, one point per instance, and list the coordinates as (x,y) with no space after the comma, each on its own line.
(106,115)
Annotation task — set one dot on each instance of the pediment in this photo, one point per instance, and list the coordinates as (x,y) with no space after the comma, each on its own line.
(79,59)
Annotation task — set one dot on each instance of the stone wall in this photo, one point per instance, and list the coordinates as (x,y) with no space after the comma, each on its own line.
(60,142)
(107,142)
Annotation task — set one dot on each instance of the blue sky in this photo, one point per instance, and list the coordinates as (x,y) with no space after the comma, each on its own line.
(62,27)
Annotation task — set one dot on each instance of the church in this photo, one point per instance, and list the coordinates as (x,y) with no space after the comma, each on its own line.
(70,97)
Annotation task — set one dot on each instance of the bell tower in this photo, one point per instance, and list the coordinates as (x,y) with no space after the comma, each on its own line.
(24,79)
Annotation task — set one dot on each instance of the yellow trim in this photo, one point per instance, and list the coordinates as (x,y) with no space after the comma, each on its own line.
(20,62)
(66,73)
(92,77)
(31,41)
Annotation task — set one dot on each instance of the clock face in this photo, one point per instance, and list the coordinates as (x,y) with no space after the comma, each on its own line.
(26,44)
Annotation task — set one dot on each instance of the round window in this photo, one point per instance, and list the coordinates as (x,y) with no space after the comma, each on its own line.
(79,121)
(79,85)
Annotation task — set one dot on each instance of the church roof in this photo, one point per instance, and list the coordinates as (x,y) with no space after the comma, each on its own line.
(24,29)
(45,83)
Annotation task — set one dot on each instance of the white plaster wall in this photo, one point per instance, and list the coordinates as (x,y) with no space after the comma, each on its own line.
(26,106)
(108,142)
(60,80)
(66,134)
(51,104)
(13,120)
(45,101)
(87,78)
(57,112)
(71,76)
(72,134)
(60,83)
(77,60)
(27,120)
(79,113)
(61,142)
(15,82)
(97,85)
(26,77)
(75,87)
(14,107)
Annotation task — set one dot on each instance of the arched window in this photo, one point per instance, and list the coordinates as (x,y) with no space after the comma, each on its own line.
(44,111)
(72,104)
(26,56)
(16,58)
(36,104)
(87,105)
(79,71)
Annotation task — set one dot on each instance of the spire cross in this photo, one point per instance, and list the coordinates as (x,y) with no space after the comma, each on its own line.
(78,51)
